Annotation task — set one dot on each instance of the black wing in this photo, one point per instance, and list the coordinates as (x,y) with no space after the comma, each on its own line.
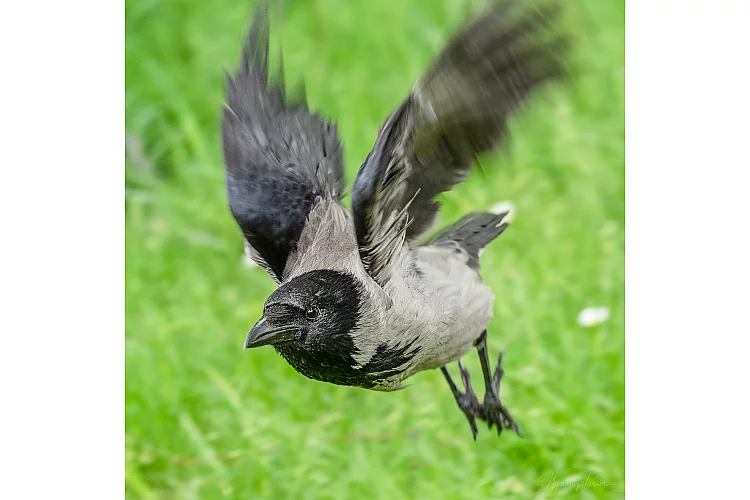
(279,157)
(457,110)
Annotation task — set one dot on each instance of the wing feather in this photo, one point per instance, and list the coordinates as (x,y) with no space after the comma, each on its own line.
(280,159)
(458,110)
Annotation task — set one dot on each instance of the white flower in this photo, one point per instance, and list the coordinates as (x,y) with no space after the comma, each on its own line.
(505,206)
(592,316)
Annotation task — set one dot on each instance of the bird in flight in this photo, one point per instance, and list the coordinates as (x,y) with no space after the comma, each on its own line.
(365,298)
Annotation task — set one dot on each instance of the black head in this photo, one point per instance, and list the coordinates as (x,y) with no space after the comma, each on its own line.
(309,321)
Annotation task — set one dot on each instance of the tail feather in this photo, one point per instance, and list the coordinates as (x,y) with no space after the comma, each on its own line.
(472,233)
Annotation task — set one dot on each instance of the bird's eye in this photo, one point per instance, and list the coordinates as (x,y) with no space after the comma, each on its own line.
(312,312)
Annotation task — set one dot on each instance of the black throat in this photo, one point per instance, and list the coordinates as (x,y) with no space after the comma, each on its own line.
(327,352)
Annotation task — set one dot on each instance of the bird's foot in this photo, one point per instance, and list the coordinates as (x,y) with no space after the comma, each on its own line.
(494,413)
(466,400)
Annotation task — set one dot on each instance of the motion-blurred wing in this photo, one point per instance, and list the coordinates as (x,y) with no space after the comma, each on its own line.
(456,111)
(279,157)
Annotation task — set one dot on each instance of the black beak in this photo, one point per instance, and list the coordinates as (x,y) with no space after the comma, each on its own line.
(263,334)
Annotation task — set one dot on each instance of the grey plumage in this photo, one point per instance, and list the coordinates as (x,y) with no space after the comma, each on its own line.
(360,302)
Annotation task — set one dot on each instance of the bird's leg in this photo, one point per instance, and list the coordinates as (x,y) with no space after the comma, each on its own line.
(467,401)
(495,413)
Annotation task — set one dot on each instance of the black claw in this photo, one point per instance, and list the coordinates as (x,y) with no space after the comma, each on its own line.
(467,401)
(498,372)
(473,424)
(491,410)
(496,414)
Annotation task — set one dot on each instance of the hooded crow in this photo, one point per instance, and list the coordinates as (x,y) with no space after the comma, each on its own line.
(363,298)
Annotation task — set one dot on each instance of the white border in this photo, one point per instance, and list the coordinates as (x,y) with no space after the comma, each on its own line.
(62,244)
(61,203)
(687,248)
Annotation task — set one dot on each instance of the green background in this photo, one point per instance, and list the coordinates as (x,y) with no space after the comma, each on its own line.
(206,419)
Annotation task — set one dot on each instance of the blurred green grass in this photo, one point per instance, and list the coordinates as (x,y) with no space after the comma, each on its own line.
(207,420)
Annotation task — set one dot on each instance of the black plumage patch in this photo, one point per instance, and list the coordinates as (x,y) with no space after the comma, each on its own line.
(388,361)
(270,205)
(414,267)
(279,156)
(325,348)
